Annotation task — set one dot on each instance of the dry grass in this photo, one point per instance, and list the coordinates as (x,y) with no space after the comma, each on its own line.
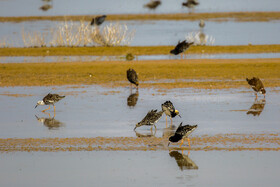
(212,73)
(135,50)
(216,16)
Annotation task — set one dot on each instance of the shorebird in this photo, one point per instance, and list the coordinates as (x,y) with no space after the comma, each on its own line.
(257,85)
(152,5)
(98,20)
(46,7)
(190,3)
(201,23)
(132,77)
(150,119)
(181,47)
(181,133)
(49,99)
(169,110)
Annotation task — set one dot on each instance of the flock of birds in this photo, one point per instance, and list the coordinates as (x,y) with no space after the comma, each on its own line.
(152,117)
(153,4)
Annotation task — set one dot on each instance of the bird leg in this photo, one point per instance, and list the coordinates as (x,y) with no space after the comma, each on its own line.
(47,109)
(171,121)
(166,121)
(256,95)
(181,56)
(130,88)
(54,108)
(189,143)
(181,143)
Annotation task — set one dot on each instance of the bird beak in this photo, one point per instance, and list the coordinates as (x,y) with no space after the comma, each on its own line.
(264,95)
(36,106)
(168,144)
(179,116)
(134,128)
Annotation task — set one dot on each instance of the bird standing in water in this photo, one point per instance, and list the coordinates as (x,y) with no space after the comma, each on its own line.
(50,99)
(150,119)
(256,85)
(132,77)
(152,5)
(169,110)
(181,133)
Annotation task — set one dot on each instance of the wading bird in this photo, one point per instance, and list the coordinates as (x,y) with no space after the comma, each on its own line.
(152,5)
(190,3)
(98,20)
(132,77)
(50,99)
(181,133)
(150,119)
(181,47)
(169,110)
(256,85)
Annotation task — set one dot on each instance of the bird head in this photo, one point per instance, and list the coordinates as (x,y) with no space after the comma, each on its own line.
(40,103)
(263,91)
(177,113)
(137,125)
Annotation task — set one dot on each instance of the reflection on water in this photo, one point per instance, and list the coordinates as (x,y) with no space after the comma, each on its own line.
(169,131)
(50,122)
(257,107)
(132,99)
(146,135)
(183,161)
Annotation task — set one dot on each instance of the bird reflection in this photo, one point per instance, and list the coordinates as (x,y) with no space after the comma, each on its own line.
(183,161)
(257,107)
(50,122)
(132,99)
(169,131)
(146,135)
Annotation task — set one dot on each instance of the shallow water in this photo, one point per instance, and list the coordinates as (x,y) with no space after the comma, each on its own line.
(88,7)
(146,168)
(111,112)
(147,32)
(27,59)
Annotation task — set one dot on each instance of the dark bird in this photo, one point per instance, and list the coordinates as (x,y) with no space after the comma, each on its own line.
(257,107)
(50,99)
(181,47)
(51,123)
(98,20)
(46,7)
(169,110)
(181,133)
(257,85)
(132,76)
(183,161)
(152,5)
(190,3)
(132,99)
(150,119)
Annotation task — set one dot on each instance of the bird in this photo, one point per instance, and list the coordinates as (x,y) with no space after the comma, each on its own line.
(257,107)
(49,99)
(152,5)
(183,161)
(98,20)
(190,3)
(46,7)
(132,76)
(201,23)
(150,119)
(169,110)
(256,85)
(181,47)
(181,133)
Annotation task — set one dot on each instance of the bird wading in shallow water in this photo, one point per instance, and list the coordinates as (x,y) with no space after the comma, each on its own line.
(169,110)
(256,85)
(50,99)
(181,133)
(181,47)
(190,3)
(132,77)
(150,119)
(152,5)
(98,20)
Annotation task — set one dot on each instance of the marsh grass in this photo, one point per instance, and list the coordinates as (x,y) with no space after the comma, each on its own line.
(76,34)
(200,38)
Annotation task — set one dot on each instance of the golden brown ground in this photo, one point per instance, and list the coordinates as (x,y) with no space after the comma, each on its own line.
(212,73)
(135,50)
(228,142)
(215,16)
